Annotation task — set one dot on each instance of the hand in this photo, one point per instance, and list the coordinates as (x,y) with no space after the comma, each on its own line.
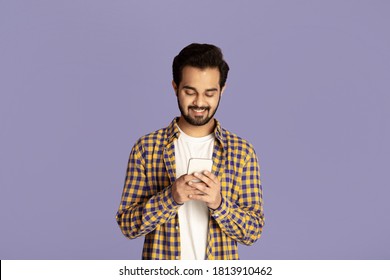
(182,191)
(209,188)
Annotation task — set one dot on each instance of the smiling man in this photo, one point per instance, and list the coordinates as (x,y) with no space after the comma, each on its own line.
(201,215)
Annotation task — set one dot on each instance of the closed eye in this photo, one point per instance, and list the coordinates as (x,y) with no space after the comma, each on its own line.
(210,93)
(189,92)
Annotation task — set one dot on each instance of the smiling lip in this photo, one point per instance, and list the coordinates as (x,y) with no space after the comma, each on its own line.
(198,112)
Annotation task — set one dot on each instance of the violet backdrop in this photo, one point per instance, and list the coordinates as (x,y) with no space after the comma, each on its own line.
(81,81)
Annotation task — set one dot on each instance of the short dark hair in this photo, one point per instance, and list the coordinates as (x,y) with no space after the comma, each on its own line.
(200,56)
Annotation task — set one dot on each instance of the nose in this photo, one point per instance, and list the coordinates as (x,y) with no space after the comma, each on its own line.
(199,100)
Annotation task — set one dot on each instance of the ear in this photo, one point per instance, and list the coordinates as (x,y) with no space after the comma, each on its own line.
(223,89)
(174,87)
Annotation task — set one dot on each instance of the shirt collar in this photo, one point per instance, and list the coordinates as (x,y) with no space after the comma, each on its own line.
(173,131)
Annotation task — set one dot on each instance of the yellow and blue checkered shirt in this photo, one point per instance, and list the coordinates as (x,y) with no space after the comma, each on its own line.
(148,208)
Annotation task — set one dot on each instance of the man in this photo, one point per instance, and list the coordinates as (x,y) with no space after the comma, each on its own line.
(201,215)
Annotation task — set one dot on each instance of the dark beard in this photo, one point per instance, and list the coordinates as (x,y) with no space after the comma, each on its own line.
(197,121)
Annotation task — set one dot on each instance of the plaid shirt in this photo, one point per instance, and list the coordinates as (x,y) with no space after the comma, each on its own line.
(148,208)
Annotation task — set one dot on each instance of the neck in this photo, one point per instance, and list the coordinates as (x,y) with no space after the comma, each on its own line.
(194,130)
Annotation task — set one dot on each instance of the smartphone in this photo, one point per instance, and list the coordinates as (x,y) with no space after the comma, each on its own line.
(199,165)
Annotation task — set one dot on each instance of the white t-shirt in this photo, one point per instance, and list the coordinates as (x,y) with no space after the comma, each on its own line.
(193,215)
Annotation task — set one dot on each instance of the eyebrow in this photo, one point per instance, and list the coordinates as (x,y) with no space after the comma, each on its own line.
(194,89)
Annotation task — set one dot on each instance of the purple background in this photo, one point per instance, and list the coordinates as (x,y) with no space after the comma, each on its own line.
(309,86)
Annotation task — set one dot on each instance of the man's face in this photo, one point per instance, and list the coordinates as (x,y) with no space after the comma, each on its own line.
(198,94)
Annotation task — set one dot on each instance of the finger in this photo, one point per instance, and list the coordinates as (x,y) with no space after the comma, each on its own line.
(200,186)
(205,179)
(189,177)
(211,175)
(198,197)
(196,192)
(193,190)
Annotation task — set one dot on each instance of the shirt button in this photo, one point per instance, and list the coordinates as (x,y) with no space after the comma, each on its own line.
(216,215)
(177,257)
(177,227)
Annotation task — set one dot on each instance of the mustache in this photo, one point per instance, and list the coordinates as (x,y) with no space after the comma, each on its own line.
(198,108)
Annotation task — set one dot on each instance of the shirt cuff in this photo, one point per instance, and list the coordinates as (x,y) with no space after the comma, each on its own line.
(221,212)
(167,199)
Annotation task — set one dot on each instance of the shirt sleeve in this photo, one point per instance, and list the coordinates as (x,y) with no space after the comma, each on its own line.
(141,210)
(243,220)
